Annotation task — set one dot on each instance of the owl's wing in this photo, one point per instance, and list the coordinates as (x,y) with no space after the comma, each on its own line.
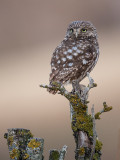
(63,75)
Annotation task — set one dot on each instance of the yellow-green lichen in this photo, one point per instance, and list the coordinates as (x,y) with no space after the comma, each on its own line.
(14,154)
(30,134)
(81,151)
(10,140)
(82,121)
(54,155)
(96,156)
(33,144)
(106,108)
(25,133)
(98,146)
(26,156)
(97,115)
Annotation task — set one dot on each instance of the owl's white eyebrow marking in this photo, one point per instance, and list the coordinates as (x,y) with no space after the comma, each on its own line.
(69,57)
(58,61)
(64,59)
(70,50)
(84,61)
(74,48)
(70,64)
(65,52)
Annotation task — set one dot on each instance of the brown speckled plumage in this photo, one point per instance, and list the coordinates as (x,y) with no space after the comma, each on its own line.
(76,55)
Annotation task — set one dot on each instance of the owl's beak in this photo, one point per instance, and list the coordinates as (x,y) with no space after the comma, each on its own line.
(76,34)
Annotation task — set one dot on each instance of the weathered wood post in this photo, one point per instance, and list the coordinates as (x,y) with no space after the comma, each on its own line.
(23,146)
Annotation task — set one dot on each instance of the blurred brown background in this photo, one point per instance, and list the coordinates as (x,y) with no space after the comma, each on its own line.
(29,32)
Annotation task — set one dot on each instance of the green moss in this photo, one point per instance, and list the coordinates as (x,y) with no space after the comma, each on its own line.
(81,120)
(106,108)
(56,84)
(97,115)
(98,146)
(30,134)
(96,156)
(84,123)
(54,155)
(81,151)
(26,156)
(25,133)
(14,154)
(10,140)
(95,84)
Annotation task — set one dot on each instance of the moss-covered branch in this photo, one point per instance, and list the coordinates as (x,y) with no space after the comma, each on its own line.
(88,147)
(105,109)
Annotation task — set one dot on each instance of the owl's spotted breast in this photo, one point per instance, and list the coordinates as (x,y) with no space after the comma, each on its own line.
(76,55)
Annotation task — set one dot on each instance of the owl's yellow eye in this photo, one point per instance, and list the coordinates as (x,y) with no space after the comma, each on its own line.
(84,30)
(71,30)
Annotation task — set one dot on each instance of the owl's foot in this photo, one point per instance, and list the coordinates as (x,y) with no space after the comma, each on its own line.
(80,90)
(76,87)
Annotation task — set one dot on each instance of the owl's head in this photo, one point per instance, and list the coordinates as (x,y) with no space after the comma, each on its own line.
(81,30)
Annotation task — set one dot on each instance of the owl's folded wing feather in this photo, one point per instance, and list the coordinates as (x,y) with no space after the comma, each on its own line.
(63,75)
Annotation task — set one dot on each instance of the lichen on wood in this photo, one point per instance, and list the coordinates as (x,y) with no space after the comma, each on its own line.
(82,123)
(23,146)
(58,154)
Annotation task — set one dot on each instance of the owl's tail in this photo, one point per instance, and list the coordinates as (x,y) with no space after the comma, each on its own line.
(51,91)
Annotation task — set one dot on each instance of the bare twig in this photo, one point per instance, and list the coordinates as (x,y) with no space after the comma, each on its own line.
(91,82)
(85,89)
(63,152)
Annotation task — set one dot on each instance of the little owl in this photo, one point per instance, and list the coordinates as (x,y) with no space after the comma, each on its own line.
(76,55)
